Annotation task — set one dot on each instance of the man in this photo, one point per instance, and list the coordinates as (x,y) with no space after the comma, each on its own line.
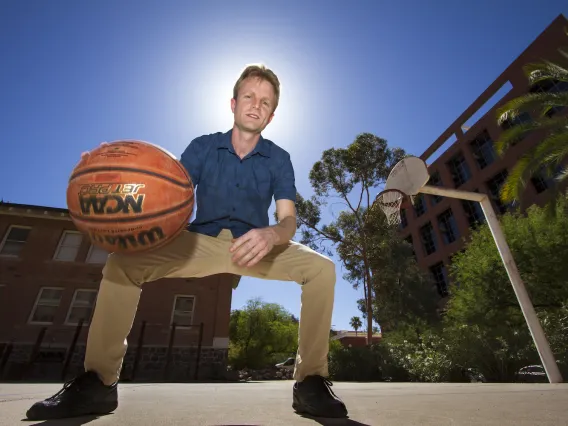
(236,174)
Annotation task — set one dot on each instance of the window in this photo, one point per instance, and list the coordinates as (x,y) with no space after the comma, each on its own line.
(494,185)
(97,255)
(482,149)
(82,307)
(440,276)
(403,219)
(68,246)
(551,86)
(435,180)
(428,239)
(519,120)
(411,242)
(448,226)
(522,118)
(14,240)
(46,305)
(182,314)
(539,183)
(459,169)
(542,180)
(419,205)
(473,212)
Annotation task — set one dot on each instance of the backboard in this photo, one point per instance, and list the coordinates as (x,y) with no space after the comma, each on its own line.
(408,176)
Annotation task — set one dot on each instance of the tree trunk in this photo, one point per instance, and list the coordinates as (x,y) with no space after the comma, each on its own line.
(368,296)
(369,316)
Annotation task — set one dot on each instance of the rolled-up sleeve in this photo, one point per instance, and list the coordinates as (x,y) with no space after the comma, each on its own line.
(285,184)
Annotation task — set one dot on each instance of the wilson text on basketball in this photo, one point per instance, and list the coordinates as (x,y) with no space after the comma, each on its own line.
(144,238)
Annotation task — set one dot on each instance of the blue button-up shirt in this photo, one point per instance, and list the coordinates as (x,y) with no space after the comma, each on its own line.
(232,193)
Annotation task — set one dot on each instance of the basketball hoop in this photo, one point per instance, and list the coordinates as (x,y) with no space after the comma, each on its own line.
(390,201)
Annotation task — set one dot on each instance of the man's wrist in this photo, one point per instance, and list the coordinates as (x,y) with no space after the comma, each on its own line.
(283,231)
(275,235)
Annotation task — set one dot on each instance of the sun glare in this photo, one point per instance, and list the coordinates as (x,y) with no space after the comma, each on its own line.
(211,88)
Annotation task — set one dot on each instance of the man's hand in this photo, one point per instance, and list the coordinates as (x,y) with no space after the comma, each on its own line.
(250,248)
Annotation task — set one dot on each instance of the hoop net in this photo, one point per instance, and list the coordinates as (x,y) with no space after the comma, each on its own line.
(390,201)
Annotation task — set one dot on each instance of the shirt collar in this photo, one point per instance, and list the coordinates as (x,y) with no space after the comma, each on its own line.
(262,147)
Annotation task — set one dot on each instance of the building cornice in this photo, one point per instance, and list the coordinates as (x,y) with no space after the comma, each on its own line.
(25,210)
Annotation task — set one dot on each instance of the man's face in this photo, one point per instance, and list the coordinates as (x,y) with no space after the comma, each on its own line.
(254,107)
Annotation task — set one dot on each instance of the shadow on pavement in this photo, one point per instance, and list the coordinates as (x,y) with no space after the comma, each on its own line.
(74,421)
(334,422)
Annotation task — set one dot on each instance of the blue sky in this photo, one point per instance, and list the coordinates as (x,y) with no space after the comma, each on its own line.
(75,74)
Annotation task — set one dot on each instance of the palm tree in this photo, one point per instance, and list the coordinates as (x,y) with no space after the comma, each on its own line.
(548,155)
(356,324)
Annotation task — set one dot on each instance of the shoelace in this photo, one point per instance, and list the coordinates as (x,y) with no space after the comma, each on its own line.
(328,384)
(68,385)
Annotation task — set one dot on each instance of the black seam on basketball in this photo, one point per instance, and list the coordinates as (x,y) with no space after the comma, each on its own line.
(131,219)
(129,169)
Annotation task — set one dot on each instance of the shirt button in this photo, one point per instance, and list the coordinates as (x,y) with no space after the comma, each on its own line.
(233,209)
(237,185)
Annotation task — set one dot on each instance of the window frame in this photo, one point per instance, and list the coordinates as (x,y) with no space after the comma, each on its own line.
(91,248)
(453,168)
(5,239)
(174,311)
(71,306)
(443,288)
(60,244)
(432,233)
(445,221)
(37,299)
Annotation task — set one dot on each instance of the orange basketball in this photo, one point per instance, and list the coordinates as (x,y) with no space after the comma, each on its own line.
(130,196)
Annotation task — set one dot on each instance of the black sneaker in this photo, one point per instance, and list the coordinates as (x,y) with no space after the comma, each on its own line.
(313,396)
(84,395)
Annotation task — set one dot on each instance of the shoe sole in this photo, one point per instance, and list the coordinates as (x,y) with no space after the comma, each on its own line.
(105,407)
(100,408)
(301,410)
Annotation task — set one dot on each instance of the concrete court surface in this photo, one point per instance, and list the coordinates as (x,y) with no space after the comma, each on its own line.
(269,403)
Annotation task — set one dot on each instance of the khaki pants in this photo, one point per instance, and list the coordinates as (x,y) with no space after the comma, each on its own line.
(198,255)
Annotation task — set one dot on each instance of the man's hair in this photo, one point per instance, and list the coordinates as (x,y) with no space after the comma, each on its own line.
(259,71)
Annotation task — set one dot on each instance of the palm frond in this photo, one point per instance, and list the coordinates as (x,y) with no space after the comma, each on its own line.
(516,180)
(512,135)
(546,70)
(529,103)
(546,155)
(549,125)
(563,51)
(562,175)
(553,124)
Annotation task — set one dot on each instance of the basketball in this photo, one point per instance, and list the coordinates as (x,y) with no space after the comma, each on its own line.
(130,196)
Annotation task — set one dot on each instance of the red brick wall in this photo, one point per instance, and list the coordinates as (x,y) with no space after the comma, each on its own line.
(545,46)
(21,279)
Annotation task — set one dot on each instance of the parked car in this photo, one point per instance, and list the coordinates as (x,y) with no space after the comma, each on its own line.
(288,364)
(532,374)
(475,376)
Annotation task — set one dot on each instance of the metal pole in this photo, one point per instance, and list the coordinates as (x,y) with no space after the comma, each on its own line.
(198,351)
(71,348)
(540,341)
(535,328)
(169,352)
(453,193)
(138,351)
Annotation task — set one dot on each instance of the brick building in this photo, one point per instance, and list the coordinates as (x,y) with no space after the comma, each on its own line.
(49,276)
(350,338)
(466,160)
